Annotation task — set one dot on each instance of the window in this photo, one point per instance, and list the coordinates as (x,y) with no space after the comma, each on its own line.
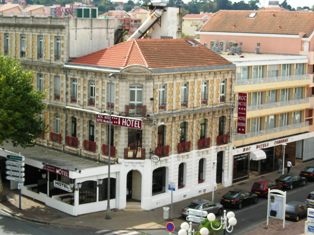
(6,43)
(299,70)
(57,124)
(203,129)
(91,131)
(256,98)
(91,93)
(73,90)
(183,131)
(299,93)
(134,138)
(136,95)
(258,72)
(243,73)
(181,177)
(284,94)
(201,167)
(222,90)
(40,82)
(297,117)
(273,71)
(255,124)
(204,92)
(222,125)
(159,181)
(161,141)
(73,126)
(87,192)
(271,122)
(22,45)
(57,48)
(283,119)
(56,87)
(185,94)
(272,96)
(110,94)
(40,46)
(286,70)
(103,189)
(163,96)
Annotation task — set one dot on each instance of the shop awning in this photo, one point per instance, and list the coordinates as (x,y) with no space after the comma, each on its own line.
(257,155)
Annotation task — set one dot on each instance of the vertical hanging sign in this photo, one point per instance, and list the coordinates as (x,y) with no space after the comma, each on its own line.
(242,105)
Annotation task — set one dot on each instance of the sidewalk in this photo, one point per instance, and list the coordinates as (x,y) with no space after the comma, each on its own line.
(139,220)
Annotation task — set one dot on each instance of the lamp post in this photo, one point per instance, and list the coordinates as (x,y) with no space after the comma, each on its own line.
(283,157)
(227,222)
(109,152)
(186,229)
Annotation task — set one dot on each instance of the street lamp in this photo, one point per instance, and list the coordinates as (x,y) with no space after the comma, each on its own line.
(227,222)
(186,229)
(283,157)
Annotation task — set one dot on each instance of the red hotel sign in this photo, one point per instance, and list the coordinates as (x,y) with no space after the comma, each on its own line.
(119,121)
(242,100)
(56,170)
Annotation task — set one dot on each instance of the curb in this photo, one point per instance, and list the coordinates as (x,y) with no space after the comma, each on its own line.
(15,215)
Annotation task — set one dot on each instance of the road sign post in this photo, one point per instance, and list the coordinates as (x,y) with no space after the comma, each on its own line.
(15,172)
(171,187)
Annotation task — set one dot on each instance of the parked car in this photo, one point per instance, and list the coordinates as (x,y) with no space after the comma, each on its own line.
(296,210)
(261,187)
(291,181)
(310,200)
(308,173)
(238,198)
(204,205)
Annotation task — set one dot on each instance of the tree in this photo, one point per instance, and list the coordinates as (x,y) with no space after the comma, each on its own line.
(20,105)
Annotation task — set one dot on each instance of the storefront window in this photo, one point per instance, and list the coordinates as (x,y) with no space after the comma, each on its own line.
(87,192)
(103,186)
(240,167)
(159,180)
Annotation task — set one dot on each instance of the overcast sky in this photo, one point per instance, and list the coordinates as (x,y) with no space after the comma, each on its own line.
(293,3)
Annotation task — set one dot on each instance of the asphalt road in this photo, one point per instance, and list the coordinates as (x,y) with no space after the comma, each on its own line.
(250,216)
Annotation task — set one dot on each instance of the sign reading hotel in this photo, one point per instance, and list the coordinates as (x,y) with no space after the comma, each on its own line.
(56,170)
(241,124)
(119,121)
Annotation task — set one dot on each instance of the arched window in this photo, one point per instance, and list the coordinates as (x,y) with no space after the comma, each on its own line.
(201,170)
(181,175)
(159,181)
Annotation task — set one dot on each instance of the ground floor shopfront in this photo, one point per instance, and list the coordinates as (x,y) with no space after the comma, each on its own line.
(78,185)
(261,158)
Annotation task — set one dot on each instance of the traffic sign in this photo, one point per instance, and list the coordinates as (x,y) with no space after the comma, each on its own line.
(195,219)
(14,163)
(17,179)
(195,212)
(171,186)
(170,227)
(15,158)
(15,168)
(15,173)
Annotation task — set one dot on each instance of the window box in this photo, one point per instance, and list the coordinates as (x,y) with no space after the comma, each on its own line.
(203,143)
(72,141)
(162,106)
(91,102)
(222,98)
(184,147)
(89,145)
(55,137)
(162,151)
(184,104)
(57,97)
(105,150)
(222,139)
(204,101)
(73,99)
(135,110)
(137,153)
(110,105)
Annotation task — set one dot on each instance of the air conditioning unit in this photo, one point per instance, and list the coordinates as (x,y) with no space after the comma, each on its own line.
(212,44)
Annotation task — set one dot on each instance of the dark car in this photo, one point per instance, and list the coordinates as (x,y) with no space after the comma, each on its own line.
(261,187)
(296,210)
(204,205)
(238,198)
(291,181)
(308,173)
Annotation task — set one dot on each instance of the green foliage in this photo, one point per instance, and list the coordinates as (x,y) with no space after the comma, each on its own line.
(20,105)
(206,224)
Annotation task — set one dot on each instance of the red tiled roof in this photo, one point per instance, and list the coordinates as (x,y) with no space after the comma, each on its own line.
(154,53)
(197,16)
(266,21)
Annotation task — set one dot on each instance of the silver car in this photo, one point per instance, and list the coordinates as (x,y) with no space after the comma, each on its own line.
(204,205)
(310,200)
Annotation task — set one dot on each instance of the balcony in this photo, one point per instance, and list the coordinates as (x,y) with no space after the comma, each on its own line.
(135,110)
(91,102)
(162,107)
(110,106)
(204,101)
(203,143)
(89,145)
(254,81)
(72,141)
(222,98)
(105,150)
(184,147)
(222,139)
(278,104)
(162,151)
(270,131)
(55,137)
(56,97)
(134,153)
(73,99)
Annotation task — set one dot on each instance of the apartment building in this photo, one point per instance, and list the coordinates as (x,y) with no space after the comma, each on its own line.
(171,122)
(192,23)
(273,51)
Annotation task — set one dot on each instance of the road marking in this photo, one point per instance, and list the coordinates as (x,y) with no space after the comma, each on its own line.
(118,232)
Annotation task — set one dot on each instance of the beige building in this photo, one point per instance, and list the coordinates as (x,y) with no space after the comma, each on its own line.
(192,23)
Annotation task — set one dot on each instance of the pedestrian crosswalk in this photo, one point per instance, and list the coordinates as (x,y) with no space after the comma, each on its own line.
(117,232)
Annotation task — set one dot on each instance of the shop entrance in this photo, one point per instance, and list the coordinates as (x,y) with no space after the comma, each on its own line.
(219,169)
(134,183)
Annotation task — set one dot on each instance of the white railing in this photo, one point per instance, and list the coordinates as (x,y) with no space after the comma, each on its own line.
(278,104)
(270,131)
(272,79)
